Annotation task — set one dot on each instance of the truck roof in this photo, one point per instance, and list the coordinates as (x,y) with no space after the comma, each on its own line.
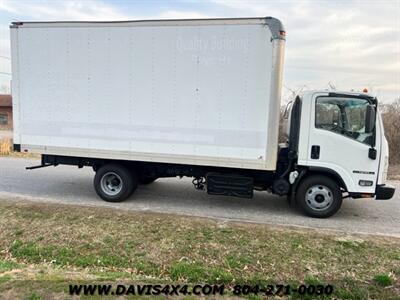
(359,94)
(370,98)
(275,25)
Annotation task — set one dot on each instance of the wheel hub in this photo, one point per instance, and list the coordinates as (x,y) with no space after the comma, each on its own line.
(319,197)
(111,183)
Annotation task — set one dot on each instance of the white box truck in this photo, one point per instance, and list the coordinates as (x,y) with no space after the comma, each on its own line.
(142,100)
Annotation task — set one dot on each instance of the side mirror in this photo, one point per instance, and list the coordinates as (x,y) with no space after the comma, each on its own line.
(370,118)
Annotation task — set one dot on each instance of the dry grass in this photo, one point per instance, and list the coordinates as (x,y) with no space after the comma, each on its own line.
(57,244)
(5,147)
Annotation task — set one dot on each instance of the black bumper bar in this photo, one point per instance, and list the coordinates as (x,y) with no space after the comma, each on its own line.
(384,192)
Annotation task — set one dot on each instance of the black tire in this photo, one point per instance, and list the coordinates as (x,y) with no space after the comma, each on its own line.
(319,196)
(147,179)
(114,182)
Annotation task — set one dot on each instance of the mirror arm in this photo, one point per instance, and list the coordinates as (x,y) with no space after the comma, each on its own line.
(372,153)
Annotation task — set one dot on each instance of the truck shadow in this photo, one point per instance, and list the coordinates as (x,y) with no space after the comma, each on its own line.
(175,195)
(181,193)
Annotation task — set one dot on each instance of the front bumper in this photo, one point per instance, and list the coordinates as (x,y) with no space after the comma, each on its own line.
(384,192)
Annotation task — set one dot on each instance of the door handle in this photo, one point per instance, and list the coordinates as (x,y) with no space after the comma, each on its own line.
(315,152)
(372,153)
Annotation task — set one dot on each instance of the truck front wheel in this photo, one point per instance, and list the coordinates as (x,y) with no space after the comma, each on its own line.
(319,196)
(115,183)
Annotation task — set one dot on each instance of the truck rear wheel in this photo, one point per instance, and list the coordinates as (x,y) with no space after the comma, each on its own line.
(319,196)
(115,183)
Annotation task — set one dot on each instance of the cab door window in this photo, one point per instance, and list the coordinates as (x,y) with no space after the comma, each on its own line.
(345,116)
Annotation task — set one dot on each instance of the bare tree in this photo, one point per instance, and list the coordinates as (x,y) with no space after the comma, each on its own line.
(391,122)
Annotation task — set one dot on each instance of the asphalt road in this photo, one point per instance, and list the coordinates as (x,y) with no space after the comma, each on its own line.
(70,185)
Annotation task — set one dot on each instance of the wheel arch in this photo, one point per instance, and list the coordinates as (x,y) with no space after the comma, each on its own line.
(98,163)
(325,172)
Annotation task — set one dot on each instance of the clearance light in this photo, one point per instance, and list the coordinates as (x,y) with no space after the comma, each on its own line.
(365,183)
(282,33)
(365,90)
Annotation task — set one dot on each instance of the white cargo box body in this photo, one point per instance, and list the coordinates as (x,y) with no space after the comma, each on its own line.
(201,92)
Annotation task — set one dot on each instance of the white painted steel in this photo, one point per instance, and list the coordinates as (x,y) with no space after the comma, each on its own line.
(345,156)
(192,92)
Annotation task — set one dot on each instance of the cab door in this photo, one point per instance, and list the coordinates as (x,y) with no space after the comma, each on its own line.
(339,140)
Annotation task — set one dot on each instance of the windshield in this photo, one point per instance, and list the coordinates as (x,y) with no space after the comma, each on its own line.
(345,116)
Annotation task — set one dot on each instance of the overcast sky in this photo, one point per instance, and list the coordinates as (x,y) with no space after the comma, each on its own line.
(347,45)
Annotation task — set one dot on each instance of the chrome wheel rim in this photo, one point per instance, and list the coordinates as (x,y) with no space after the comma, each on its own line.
(111,184)
(319,197)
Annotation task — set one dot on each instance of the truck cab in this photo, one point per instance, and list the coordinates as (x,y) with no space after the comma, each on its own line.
(338,138)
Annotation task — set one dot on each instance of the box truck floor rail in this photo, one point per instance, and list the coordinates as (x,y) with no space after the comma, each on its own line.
(142,100)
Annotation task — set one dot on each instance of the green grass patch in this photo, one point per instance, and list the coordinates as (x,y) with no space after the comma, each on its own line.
(34,296)
(4,278)
(193,272)
(8,265)
(383,280)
